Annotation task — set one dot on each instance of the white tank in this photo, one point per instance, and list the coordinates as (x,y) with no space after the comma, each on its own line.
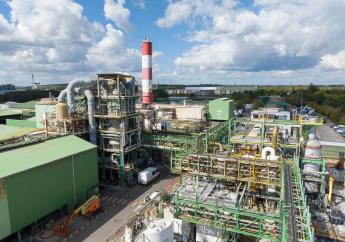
(312,151)
(312,148)
(159,230)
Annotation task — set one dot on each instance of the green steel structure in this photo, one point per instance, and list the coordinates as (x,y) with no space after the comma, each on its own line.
(39,178)
(304,229)
(232,219)
(180,145)
(323,173)
(193,156)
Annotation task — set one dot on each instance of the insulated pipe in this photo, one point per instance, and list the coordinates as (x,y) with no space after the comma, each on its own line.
(90,112)
(265,151)
(70,94)
(62,95)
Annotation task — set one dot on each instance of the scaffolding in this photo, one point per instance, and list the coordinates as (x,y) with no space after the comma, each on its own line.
(226,210)
(276,185)
(234,168)
(119,127)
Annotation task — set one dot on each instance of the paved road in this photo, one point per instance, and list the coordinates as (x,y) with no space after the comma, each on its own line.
(117,206)
(327,133)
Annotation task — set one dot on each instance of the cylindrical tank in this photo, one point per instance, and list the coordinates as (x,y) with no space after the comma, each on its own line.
(61,111)
(159,230)
(312,151)
(146,78)
(312,148)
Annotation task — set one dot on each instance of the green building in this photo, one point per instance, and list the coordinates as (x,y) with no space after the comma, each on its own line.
(221,109)
(37,179)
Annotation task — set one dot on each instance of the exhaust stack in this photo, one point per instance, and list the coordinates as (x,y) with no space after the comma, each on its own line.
(146,78)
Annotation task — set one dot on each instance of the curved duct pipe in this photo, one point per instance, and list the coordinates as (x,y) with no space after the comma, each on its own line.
(70,94)
(62,95)
(264,152)
(90,112)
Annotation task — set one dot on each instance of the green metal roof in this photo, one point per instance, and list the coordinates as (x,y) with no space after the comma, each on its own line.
(9,112)
(31,156)
(8,131)
(26,105)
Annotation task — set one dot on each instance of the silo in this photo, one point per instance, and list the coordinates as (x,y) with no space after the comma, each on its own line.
(61,111)
(312,151)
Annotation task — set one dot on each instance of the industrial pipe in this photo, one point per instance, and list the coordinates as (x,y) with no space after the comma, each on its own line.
(70,94)
(62,95)
(264,152)
(90,112)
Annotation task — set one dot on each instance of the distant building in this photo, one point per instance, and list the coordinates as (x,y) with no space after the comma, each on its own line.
(4,88)
(206,91)
(270,114)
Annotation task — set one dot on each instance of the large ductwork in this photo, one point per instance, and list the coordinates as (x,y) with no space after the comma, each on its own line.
(62,95)
(90,112)
(69,93)
(268,153)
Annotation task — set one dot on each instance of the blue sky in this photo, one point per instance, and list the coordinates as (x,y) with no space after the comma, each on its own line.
(168,41)
(195,41)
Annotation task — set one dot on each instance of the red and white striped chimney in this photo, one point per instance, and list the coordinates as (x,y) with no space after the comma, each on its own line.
(146,78)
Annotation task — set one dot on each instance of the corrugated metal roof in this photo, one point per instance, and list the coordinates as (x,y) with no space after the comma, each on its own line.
(8,131)
(26,105)
(28,157)
(9,112)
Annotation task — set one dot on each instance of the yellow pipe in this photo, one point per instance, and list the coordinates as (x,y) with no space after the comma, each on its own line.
(330,188)
(274,137)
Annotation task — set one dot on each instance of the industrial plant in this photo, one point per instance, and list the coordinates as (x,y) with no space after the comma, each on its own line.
(261,175)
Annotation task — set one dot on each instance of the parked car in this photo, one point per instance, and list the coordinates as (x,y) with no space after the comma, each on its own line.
(335,126)
(148,175)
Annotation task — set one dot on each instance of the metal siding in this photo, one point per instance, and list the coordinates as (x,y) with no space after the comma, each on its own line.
(86,173)
(5,226)
(220,109)
(37,192)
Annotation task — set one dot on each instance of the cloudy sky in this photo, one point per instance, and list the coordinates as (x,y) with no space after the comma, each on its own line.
(195,41)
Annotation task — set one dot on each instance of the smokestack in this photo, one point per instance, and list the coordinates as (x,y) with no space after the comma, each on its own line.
(146,78)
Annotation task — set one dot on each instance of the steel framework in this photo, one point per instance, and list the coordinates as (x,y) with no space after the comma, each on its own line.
(253,171)
(118,124)
(289,221)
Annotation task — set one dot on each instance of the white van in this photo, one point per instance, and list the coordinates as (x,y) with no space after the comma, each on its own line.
(148,175)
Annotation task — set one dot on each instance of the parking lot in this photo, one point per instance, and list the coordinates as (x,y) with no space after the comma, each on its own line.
(327,133)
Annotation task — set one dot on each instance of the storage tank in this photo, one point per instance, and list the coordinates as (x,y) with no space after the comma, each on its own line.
(312,148)
(312,151)
(61,111)
(159,230)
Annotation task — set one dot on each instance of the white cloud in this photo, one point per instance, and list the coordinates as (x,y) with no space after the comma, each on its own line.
(334,62)
(115,11)
(175,13)
(54,40)
(278,36)
(139,3)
